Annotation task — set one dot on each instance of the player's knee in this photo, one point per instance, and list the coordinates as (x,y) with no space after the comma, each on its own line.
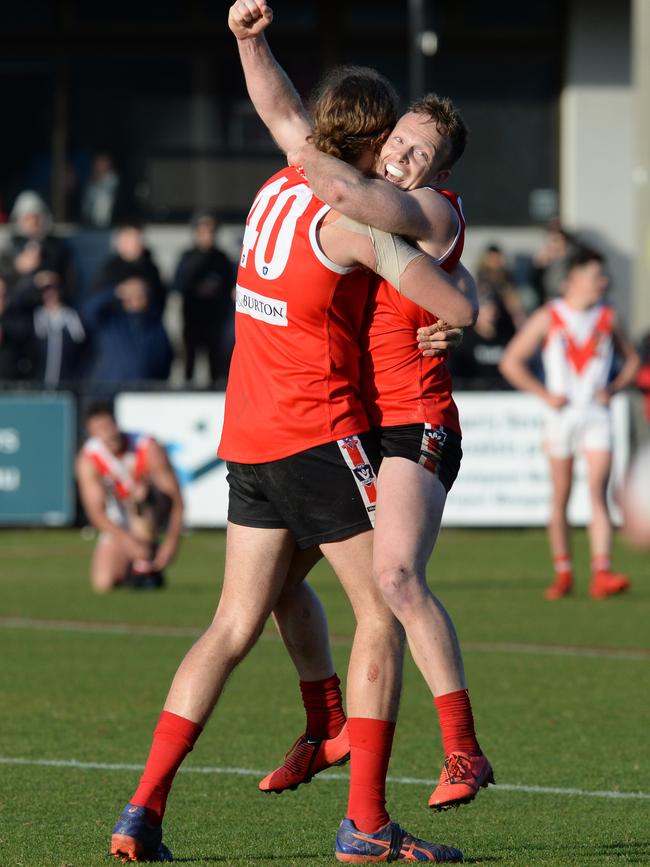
(399,585)
(598,492)
(233,640)
(102,582)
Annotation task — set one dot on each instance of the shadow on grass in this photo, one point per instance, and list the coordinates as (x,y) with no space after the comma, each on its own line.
(487,860)
(253,858)
(634,852)
(301,856)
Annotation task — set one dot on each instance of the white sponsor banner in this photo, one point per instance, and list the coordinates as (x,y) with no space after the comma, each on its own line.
(189,426)
(269,310)
(503,479)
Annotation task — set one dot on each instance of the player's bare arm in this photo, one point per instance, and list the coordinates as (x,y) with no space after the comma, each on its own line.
(438,338)
(419,214)
(421,281)
(518,353)
(93,499)
(631,363)
(162,475)
(271,92)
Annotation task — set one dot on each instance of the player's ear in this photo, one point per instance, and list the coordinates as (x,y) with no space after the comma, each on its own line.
(440,177)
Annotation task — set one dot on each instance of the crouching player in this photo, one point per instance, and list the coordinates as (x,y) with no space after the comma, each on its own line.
(130,494)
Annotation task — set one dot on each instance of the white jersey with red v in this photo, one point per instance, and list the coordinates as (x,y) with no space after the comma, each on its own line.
(120,473)
(578,351)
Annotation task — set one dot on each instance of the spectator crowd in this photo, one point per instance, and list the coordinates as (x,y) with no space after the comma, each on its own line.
(111,333)
(56,333)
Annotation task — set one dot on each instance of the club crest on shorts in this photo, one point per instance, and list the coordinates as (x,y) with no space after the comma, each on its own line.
(436,435)
(431,448)
(364,473)
(357,460)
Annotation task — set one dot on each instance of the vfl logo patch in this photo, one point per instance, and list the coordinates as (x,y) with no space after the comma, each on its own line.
(364,473)
(270,310)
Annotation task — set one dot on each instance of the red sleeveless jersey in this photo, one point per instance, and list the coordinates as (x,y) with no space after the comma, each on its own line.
(398,384)
(294,374)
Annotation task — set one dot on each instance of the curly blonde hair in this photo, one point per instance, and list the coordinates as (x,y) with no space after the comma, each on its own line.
(354,108)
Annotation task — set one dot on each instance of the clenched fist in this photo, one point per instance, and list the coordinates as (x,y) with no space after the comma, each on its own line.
(249,18)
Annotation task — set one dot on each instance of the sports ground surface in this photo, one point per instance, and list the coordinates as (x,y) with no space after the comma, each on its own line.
(560,692)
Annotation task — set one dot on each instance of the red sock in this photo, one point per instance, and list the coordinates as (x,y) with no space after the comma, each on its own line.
(600,563)
(457,723)
(324,706)
(371,742)
(563,570)
(173,739)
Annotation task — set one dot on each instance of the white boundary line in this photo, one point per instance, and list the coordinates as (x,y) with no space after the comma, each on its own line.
(253,772)
(194,631)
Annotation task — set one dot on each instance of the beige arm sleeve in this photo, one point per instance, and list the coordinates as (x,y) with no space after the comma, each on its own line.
(392,252)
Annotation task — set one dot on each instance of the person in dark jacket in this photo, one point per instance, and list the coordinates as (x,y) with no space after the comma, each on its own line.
(132,259)
(131,343)
(478,356)
(33,247)
(15,361)
(205,279)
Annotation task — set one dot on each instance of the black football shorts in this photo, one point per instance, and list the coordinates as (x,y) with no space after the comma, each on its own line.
(323,494)
(435,447)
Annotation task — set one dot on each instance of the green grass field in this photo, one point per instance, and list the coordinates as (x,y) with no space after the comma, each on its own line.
(560,692)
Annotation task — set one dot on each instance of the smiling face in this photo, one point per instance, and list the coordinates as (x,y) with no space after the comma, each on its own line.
(414,153)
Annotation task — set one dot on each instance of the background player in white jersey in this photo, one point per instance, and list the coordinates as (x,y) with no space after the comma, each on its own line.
(130,493)
(579,336)
(416,159)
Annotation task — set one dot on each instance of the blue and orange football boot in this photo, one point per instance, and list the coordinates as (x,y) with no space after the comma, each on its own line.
(390,843)
(461,778)
(136,839)
(307,757)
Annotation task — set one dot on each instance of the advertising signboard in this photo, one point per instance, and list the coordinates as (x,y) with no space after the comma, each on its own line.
(37,440)
(503,481)
(189,427)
